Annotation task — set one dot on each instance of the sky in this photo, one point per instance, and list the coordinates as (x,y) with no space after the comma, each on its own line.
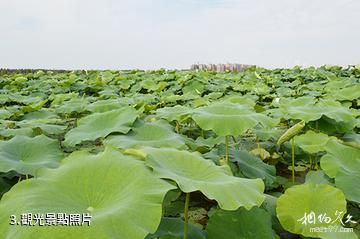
(173,34)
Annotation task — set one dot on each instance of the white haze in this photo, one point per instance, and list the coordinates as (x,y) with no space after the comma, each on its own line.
(151,34)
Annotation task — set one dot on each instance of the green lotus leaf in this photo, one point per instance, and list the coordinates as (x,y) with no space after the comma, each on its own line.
(229,118)
(302,108)
(347,183)
(317,177)
(192,173)
(106,76)
(151,85)
(193,88)
(306,108)
(176,113)
(269,204)
(61,98)
(343,163)
(209,142)
(169,97)
(213,96)
(141,99)
(266,133)
(74,105)
(45,125)
(17,131)
(43,114)
(315,85)
(34,106)
(284,92)
(4,98)
(249,100)
(240,224)
(253,167)
(331,127)
(199,102)
(27,155)
(99,125)
(4,114)
(107,105)
(334,110)
(357,123)
(335,83)
(124,84)
(348,93)
(296,207)
(261,89)
(108,92)
(352,138)
(121,195)
(312,142)
(23,99)
(154,134)
(174,228)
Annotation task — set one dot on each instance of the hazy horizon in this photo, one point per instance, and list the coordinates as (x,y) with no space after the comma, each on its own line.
(140,34)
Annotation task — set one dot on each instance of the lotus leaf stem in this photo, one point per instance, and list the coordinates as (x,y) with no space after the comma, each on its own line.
(186,215)
(227,149)
(293,160)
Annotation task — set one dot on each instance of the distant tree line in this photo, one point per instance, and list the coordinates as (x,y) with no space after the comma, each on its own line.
(25,71)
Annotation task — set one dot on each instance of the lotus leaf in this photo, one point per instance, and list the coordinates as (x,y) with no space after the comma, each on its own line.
(348,93)
(107,105)
(153,134)
(176,113)
(305,206)
(229,118)
(308,109)
(312,142)
(120,194)
(343,163)
(100,125)
(253,167)
(27,155)
(173,228)
(77,105)
(240,224)
(4,114)
(317,177)
(192,173)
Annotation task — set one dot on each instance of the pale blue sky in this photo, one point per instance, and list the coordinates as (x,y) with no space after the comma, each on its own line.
(150,34)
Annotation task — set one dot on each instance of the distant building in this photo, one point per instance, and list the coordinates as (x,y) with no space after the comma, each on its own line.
(220,67)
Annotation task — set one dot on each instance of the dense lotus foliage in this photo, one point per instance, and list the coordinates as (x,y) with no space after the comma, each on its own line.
(172,154)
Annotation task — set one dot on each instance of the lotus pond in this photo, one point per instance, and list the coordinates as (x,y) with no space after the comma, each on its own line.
(171,154)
